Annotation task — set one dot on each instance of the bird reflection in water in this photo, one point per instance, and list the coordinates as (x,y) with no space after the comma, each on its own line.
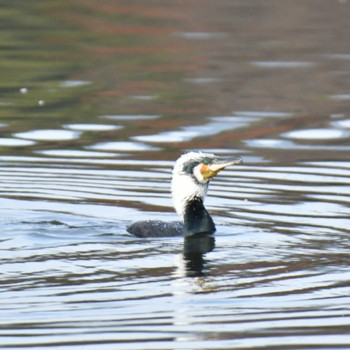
(195,248)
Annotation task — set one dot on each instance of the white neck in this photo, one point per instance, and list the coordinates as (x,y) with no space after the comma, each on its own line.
(184,188)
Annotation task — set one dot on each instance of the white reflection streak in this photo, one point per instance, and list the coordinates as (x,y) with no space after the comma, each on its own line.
(49,135)
(218,125)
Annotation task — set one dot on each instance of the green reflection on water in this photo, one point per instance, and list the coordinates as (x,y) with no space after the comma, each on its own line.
(119,53)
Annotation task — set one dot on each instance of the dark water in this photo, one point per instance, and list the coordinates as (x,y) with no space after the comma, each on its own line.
(97,100)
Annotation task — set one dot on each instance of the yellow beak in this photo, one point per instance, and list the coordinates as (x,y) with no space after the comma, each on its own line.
(209,171)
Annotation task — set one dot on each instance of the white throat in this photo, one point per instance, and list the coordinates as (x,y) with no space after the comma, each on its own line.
(184,188)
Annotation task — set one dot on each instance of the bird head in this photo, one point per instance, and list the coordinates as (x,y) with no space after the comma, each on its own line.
(192,174)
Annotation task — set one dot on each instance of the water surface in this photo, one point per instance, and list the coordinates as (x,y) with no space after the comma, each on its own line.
(96,103)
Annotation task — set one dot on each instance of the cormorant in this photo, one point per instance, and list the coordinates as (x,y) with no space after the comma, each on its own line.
(191,176)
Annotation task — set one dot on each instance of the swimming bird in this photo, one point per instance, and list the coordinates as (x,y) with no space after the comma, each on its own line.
(191,176)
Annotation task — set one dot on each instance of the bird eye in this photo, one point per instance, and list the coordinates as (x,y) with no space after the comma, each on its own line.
(206,161)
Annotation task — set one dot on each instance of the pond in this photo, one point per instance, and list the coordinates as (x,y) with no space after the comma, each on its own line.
(97,101)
